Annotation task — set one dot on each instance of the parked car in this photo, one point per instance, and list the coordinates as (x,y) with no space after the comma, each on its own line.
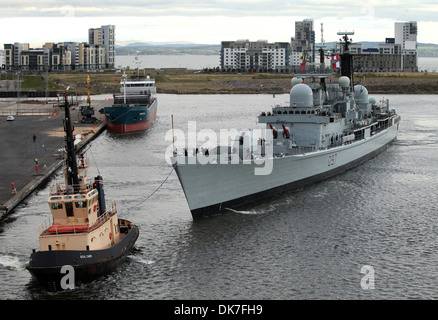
(10,118)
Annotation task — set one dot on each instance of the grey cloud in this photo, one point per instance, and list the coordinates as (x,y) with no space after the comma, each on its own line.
(401,10)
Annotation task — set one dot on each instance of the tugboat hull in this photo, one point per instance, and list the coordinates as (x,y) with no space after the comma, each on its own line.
(45,266)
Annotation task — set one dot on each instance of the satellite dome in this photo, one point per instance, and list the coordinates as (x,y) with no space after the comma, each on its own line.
(372,100)
(344,81)
(296,80)
(301,96)
(361,94)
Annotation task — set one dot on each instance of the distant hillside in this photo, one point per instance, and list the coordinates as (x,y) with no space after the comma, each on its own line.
(424,49)
(427,50)
(145,48)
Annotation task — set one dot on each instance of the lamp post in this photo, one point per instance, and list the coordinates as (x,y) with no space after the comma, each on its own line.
(18,90)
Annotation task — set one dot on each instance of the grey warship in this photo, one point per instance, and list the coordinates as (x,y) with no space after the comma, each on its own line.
(327,128)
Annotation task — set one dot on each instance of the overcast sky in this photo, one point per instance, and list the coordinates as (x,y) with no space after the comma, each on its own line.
(211,21)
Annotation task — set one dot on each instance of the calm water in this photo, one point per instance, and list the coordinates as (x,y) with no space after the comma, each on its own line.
(193,62)
(308,244)
(189,61)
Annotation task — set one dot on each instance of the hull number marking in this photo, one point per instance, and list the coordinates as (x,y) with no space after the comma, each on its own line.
(332,159)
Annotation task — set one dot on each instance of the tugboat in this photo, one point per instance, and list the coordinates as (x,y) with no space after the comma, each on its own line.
(326,128)
(82,233)
(134,108)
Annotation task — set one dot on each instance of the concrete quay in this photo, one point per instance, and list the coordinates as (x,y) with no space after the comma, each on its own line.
(36,135)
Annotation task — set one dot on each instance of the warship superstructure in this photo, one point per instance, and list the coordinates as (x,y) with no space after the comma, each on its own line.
(327,128)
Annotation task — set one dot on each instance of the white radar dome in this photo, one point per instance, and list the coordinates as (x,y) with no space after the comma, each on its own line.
(361,94)
(344,81)
(296,80)
(372,100)
(301,96)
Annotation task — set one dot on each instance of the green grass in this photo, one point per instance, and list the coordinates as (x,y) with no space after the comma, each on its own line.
(31,82)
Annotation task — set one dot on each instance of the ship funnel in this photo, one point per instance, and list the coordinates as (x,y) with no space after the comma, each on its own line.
(98,184)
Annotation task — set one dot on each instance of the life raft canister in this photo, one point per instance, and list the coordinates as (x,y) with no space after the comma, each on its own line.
(67,228)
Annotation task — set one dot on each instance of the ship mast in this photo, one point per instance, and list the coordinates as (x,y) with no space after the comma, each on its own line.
(88,87)
(124,88)
(346,57)
(70,161)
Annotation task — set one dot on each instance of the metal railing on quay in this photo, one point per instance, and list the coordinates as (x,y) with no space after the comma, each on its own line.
(27,112)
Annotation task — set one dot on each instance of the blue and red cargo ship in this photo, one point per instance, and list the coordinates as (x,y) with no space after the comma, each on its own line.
(134,108)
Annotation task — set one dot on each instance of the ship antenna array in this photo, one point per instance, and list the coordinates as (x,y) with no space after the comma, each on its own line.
(345,38)
(322,35)
(346,57)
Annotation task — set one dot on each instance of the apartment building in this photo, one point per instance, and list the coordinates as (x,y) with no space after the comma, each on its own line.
(99,53)
(303,44)
(94,56)
(398,54)
(406,37)
(258,56)
(104,37)
(406,34)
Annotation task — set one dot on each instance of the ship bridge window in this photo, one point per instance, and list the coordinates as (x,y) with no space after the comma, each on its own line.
(56,205)
(80,204)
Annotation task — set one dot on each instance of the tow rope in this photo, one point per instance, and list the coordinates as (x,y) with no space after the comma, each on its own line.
(156,189)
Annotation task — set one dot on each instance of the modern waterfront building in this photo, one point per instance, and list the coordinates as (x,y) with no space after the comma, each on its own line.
(104,37)
(64,56)
(258,56)
(397,54)
(406,34)
(95,56)
(406,37)
(303,44)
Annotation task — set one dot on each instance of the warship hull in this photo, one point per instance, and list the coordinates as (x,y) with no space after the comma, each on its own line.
(45,266)
(214,187)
